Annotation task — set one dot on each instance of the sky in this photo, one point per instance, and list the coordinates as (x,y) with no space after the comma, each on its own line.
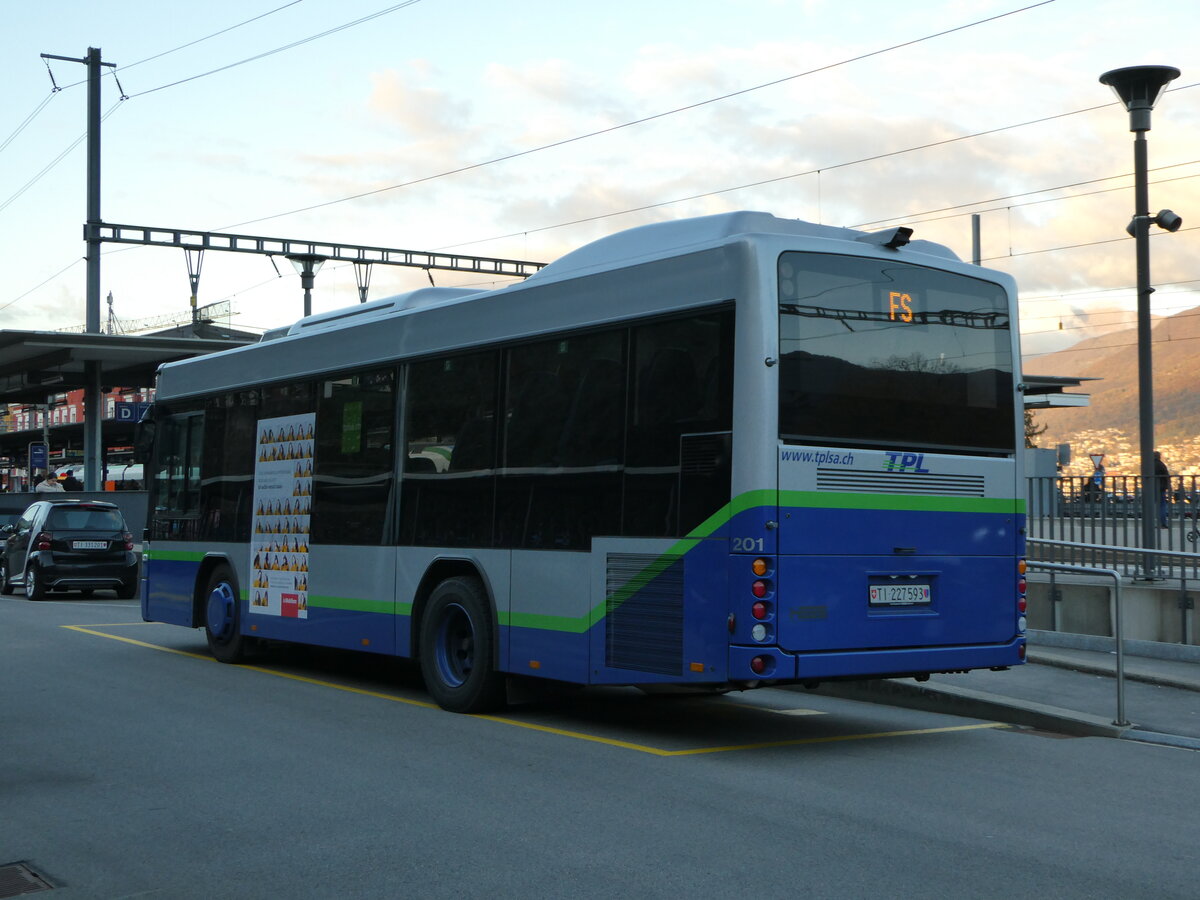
(463,125)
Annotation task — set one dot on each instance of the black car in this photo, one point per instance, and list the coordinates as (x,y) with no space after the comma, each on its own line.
(69,545)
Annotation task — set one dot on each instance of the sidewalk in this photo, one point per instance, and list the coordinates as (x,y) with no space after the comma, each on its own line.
(1069,689)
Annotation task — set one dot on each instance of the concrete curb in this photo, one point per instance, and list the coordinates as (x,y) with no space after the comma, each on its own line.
(1101,644)
(958,701)
(1108,668)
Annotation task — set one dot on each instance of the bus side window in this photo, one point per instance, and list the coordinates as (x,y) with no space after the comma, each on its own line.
(447,493)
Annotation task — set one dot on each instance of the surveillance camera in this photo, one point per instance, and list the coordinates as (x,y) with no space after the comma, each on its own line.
(1167,220)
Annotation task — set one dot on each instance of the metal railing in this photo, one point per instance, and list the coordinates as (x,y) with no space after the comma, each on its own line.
(1101,521)
(1118,617)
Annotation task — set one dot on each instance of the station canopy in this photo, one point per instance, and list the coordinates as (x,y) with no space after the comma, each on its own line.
(37,364)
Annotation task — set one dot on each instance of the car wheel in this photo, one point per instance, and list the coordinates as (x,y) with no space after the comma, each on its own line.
(457,648)
(127,591)
(34,588)
(222,617)
(6,584)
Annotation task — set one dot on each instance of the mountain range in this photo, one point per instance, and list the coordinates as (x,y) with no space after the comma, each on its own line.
(1112,417)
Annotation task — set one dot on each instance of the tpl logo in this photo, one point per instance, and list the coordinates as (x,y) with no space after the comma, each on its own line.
(905,462)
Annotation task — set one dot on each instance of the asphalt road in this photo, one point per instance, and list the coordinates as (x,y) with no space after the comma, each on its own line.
(132,765)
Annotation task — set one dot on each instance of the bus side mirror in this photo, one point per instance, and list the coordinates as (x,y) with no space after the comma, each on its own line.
(143,441)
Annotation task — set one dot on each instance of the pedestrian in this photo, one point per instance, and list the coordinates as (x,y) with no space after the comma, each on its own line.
(49,485)
(71,483)
(1162,486)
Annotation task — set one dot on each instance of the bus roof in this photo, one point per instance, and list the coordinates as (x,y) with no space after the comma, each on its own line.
(426,319)
(659,239)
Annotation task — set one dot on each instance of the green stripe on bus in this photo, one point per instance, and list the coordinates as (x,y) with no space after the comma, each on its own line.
(739,504)
(756,500)
(358,604)
(174,555)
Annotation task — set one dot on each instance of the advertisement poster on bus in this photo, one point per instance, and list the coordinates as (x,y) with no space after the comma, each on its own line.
(282,504)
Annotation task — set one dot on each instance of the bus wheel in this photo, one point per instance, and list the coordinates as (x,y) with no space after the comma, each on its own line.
(222,617)
(456,645)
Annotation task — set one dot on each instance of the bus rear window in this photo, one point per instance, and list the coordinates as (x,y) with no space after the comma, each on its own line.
(878,353)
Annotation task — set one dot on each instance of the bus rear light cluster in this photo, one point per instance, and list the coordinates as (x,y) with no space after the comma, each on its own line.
(762,589)
(1022,603)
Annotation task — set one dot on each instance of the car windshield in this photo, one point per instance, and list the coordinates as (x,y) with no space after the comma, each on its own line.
(84,519)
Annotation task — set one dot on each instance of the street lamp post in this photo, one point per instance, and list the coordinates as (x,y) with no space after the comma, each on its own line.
(307,266)
(1139,89)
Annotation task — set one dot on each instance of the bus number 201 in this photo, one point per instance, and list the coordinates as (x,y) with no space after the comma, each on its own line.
(747,545)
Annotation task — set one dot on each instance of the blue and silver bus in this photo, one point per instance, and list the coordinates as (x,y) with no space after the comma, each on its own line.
(720,452)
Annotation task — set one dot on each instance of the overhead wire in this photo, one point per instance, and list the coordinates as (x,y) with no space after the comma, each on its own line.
(650,118)
(290,46)
(29,118)
(199,40)
(54,162)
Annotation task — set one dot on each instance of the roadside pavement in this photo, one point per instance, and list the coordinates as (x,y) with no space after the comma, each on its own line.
(1068,686)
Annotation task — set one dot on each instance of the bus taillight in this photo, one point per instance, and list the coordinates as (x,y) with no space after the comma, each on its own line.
(759,610)
(1022,602)
(760,588)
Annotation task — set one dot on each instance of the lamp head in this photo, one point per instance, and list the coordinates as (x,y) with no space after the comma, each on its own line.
(1139,88)
(1167,220)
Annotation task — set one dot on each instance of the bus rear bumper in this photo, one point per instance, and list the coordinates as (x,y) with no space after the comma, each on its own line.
(779,665)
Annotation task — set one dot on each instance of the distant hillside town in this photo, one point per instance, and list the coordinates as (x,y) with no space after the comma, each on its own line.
(1110,424)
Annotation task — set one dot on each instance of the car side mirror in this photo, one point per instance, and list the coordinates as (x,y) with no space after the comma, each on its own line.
(7,529)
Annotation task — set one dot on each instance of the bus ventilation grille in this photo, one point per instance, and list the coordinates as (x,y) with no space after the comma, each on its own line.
(644,613)
(900,483)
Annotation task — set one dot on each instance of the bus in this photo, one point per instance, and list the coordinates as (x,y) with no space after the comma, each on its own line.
(715,453)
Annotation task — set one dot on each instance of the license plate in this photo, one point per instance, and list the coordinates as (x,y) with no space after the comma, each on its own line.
(905,594)
(89,545)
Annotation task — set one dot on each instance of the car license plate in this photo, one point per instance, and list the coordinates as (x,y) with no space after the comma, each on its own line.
(905,594)
(89,545)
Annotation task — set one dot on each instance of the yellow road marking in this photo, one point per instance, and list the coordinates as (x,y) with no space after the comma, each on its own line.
(547,729)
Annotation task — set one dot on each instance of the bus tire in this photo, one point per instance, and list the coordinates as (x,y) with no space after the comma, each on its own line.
(457,648)
(35,588)
(222,617)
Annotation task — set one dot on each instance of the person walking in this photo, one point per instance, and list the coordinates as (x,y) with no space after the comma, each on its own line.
(71,483)
(1162,485)
(49,485)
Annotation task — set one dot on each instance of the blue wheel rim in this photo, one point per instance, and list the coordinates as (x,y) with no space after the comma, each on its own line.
(219,611)
(455,651)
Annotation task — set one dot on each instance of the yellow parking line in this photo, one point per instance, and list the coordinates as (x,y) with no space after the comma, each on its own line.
(546,729)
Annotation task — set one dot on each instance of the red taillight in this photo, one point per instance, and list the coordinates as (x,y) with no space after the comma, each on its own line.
(42,541)
(1021,651)
(758,665)
(128,539)
(759,588)
(759,610)
(1021,585)
(1021,605)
